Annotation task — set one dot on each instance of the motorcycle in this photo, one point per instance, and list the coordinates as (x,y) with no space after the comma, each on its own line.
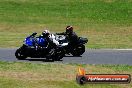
(76,50)
(37,47)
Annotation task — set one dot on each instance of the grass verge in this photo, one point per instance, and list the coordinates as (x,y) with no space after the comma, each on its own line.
(52,75)
(107,23)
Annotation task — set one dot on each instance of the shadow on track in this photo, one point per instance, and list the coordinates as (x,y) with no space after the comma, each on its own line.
(72,56)
(43,60)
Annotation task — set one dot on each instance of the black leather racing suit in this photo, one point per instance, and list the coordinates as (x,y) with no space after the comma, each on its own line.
(50,41)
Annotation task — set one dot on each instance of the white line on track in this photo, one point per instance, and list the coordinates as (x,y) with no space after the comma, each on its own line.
(111,49)
(123,49)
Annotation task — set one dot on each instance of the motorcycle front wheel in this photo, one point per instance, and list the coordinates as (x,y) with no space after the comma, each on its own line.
(19,55)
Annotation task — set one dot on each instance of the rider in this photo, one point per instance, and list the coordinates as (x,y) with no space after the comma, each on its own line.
(70,35)
(50,38)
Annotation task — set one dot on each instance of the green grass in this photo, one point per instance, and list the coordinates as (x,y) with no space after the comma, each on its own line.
(51,75)
(107,23)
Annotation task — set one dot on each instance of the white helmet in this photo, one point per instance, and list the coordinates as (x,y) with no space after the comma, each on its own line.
(46,32)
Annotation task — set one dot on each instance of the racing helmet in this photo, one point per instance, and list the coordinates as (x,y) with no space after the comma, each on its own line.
(69,29)
(46,33)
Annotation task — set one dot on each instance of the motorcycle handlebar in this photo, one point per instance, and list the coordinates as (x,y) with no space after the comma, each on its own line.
(34,34)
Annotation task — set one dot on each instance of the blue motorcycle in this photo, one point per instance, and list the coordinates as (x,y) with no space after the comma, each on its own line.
(35,47)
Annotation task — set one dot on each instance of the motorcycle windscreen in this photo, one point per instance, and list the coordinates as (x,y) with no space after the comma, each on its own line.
(42,42)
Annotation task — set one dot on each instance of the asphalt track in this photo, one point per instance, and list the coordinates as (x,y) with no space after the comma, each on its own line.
(91,56)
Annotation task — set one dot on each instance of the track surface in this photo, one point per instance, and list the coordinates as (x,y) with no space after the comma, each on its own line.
(93,56)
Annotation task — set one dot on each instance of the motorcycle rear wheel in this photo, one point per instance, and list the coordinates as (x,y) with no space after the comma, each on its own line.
(59,55)
(78,51)
(50,56)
